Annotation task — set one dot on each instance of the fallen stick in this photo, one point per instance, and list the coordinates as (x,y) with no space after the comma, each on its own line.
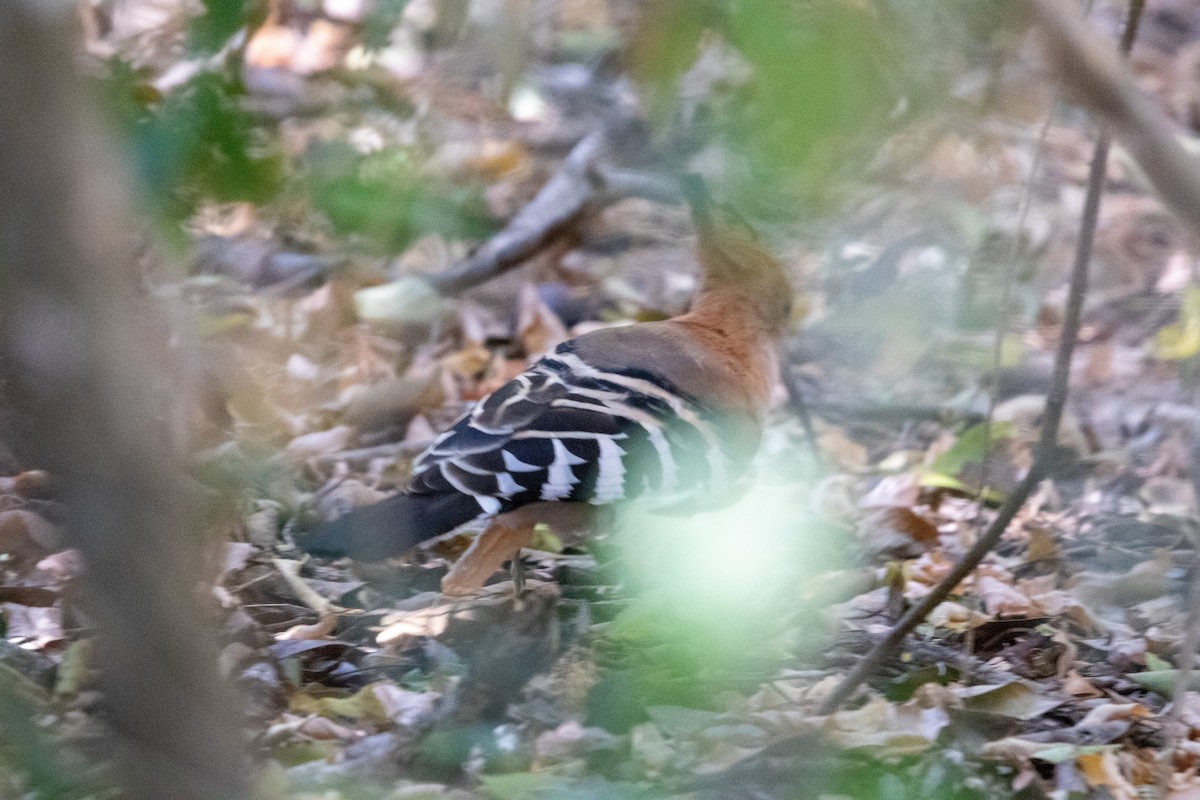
(556,210)
(580,187)
(1056,401)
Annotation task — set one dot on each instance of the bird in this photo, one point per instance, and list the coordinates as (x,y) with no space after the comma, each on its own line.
(671,410)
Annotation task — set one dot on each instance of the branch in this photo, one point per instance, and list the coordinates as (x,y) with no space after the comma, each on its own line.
(1107,86)
(556,210)
(1056,401)
(579,187)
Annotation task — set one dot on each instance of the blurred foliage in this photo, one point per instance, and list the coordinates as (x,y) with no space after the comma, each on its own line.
(829,81)
(193,144)
(220,21)
(199,142)
(248,471)
(707,592)
(384,197)
(30,755)
(379,21)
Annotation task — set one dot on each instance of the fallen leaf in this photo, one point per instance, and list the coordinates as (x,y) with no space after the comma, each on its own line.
(908,522)
(1163,681)
(539,328)
(1003,600)
(1016,699)
(404,625)
(24,534)
(1145,581)
(323,728)
(1102,769)
(32,626)
(318,630)
(290,570)
(403,707)
(1077,686)
(848,453)
(320,443)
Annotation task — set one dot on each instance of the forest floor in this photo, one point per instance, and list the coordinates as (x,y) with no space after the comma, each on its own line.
(678,656)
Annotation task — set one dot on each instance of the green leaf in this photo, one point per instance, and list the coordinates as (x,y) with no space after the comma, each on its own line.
(972,446)
(221,19)
(1156,664)
(386,199)
(1163,681)
(379,22)
(518,785)
(195,143)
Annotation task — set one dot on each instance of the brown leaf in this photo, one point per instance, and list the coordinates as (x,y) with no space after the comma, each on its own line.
(848,453)
(1043,545)
(1103,769)
(31,483)
(1078,686)
(538,327)
(1145,581)
(24,534)
(908,522)
(894,490)
(1002,599)
(394,402)
(36,596)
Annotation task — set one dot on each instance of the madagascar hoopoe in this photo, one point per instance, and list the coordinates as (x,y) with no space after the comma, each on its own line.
(672,409)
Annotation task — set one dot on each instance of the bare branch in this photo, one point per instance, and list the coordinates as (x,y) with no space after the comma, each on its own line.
(1091,67)
(1056,400)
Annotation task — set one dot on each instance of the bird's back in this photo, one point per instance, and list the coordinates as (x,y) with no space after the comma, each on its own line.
(609,416)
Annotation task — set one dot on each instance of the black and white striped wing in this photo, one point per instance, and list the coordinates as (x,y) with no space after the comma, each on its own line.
(565,430)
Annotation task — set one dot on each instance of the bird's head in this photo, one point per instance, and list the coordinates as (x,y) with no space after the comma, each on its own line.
(735,261)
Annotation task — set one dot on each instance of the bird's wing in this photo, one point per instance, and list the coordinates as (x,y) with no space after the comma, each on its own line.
(568,429)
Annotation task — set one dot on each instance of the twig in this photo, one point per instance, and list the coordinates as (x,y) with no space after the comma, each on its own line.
(1010,273)
(621,183)
(799,405)
(1056,400)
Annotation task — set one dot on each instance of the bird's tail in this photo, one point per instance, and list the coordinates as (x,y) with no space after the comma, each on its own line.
(389,527)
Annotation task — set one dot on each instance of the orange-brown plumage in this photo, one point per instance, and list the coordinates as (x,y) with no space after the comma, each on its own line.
(671,408)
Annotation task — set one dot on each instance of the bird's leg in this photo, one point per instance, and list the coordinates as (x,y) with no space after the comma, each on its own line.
(499,542)
(516,571)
